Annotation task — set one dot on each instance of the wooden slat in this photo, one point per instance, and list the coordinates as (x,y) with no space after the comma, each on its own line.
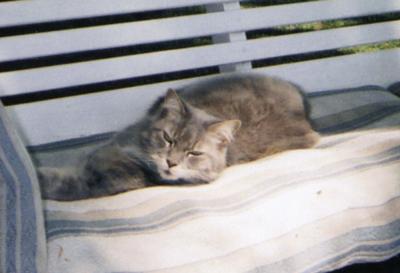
(41,11)
(80,116)
(229,37)
(68,41)
(376,68)
(175,60)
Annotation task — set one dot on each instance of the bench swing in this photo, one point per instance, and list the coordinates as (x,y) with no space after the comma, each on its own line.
(73,72)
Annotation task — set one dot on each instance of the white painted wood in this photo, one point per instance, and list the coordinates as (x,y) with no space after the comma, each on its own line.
(78,116)
(175,60)
(39,11)
(67,41)
(229,37)
(85,115)
(377,68)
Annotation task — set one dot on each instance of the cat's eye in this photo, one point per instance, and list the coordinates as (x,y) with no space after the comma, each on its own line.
(194,153)
(167,138)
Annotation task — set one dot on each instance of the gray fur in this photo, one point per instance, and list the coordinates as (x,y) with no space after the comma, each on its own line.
(189,137)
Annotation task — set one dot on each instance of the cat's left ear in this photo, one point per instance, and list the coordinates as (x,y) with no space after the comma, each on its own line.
(174,102)
(225,130)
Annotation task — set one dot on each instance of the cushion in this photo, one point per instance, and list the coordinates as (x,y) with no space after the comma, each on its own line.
(22,235)
(311,210)
(301,211)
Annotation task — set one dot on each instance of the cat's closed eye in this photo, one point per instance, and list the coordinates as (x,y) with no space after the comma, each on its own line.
(167,138)
(195,153)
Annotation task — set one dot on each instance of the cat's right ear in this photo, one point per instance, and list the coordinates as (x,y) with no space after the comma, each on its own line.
(225,130)
(173,101)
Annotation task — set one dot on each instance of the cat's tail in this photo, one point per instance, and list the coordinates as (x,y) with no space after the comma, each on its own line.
(62,184)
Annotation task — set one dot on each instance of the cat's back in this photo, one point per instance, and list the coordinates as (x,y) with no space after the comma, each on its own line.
(243,96)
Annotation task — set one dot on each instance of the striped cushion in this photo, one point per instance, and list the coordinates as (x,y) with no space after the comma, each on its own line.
(22,236)
(309,210)
(302,211)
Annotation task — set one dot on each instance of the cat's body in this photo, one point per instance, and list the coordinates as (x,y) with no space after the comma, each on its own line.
(273,114)
(191,137)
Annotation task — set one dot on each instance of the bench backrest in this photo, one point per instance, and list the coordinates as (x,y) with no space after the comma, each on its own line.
(71,69)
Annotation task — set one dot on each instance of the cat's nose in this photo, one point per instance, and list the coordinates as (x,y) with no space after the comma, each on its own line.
(171,163)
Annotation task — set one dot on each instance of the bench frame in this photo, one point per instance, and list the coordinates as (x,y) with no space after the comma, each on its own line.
(56,99)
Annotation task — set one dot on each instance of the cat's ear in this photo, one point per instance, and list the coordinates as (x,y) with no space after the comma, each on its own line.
(225,130)
(173,101)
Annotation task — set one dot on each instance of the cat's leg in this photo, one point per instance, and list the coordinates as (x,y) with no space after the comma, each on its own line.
(292,142)
(61,184)
(305,141)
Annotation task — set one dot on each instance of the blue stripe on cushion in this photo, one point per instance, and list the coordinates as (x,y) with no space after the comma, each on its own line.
(71,143)
(367,236)
(358,121)
(360,254)
(362,236)
(20,203)
(10,218)
(324,93)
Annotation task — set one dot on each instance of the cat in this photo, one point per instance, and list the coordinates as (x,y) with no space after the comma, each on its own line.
(189,136)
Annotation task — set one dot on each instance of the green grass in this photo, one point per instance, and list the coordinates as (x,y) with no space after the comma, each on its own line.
(323,25)
(371,47)
(294,28)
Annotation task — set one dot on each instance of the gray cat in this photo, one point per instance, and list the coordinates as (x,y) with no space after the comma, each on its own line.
(189,136)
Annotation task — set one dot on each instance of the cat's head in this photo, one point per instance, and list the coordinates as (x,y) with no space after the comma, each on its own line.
(184,143)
